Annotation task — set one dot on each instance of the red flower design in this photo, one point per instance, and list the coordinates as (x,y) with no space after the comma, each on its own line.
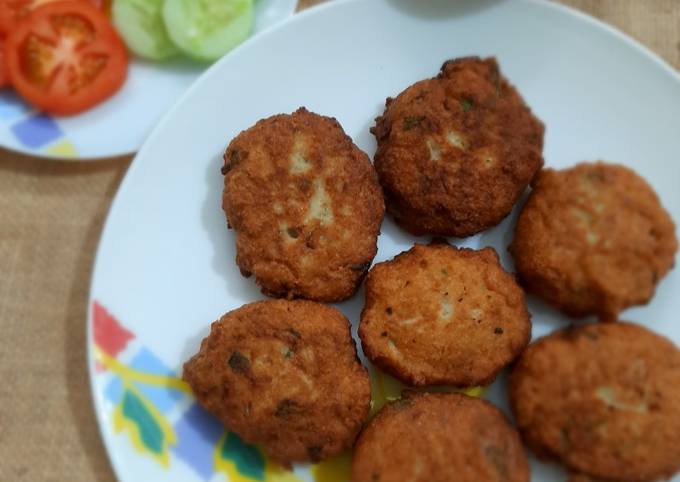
(109,335)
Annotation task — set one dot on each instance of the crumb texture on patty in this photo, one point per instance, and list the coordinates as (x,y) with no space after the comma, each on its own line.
(593,239)
(305,204)
(436,437)
(604,399)
(456,152)
(283,375)
(437,314)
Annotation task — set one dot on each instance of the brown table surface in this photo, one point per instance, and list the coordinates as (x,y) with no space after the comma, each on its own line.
(51,215)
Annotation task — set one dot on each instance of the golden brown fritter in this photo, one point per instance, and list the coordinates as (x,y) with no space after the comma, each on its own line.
(604,399)
(305,204)
(441,315)
(439,437)
(574,477)
(593,239)
(283,375)
(457,151)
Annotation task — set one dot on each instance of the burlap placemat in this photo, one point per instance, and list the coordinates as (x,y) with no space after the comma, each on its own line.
(51,216)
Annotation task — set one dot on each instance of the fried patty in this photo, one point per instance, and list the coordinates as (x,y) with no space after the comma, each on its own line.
(439,438)
(283,375)
(593,239)
(574,477)
(604,399)
(441,315)
(305,204)
(456,152)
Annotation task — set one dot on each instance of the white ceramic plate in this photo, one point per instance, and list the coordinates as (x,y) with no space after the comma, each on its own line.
(119,125)
(165,267)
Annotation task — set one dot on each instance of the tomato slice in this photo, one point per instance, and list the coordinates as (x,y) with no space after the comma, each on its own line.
(3,75)
(11,11)
(64,57)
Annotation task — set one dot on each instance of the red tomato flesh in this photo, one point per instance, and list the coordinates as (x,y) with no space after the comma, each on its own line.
(65,57)
(11,11)
(3,75)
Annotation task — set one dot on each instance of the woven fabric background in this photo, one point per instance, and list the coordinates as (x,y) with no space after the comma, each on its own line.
(51,215)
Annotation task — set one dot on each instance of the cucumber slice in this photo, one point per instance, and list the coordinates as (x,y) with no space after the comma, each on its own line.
(140,23)
(207,29)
